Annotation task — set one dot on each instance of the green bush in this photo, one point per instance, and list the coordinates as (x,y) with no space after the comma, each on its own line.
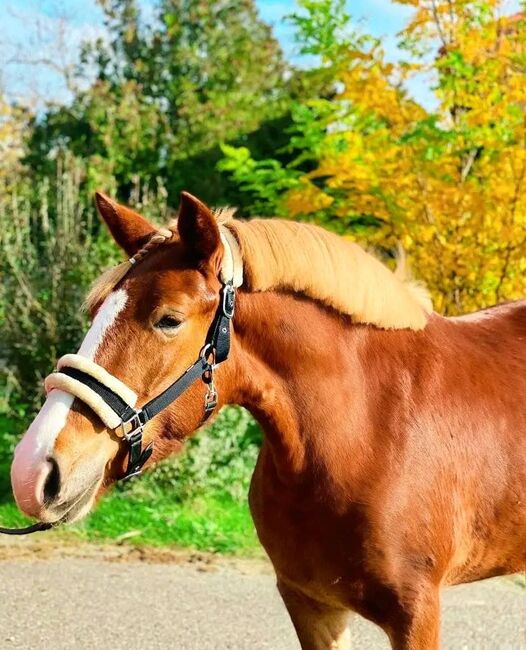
(49,255)
(218,459)
(52,246)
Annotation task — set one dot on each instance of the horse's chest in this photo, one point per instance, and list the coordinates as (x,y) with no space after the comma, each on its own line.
(308,542)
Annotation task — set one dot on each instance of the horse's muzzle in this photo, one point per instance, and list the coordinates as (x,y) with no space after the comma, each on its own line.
(45,491)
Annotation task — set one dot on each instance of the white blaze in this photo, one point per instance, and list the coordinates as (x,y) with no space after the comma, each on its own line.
(39,440)
(110,309)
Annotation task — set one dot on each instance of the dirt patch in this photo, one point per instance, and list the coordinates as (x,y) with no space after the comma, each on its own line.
(27,549)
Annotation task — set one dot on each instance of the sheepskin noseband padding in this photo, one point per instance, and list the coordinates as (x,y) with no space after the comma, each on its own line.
(87,395)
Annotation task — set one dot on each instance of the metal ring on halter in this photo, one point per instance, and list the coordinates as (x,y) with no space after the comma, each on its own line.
(206,352)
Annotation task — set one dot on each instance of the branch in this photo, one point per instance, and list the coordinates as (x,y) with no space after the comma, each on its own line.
(466,167)
(438,24)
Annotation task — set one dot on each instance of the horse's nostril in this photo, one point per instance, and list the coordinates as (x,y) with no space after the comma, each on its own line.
(52,484)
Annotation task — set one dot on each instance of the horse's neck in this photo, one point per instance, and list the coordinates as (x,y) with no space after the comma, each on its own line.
(341,399)
(288,371)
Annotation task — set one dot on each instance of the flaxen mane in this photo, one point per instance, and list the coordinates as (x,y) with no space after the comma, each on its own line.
(280,254)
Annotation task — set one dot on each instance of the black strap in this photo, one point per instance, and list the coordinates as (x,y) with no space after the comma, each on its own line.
(175,390)
(219,332)
(137,456)
(34,528)
(217,341)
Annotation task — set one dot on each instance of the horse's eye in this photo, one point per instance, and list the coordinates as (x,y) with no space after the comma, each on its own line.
(168,323)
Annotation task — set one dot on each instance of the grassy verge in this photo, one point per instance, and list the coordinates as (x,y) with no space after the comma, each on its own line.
(186,504)
(213,523)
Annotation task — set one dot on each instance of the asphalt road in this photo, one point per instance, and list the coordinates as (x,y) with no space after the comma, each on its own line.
(67,602)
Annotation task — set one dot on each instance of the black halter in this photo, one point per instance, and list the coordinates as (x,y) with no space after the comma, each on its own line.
(214,352)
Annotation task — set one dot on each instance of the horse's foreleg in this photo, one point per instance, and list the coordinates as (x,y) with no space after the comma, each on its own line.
(318,626)
(417,627)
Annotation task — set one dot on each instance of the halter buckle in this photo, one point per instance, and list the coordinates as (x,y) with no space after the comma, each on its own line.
(229,300)
(131,427)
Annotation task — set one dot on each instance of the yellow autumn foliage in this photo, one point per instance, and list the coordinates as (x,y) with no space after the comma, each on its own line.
(448,184)
(12,124)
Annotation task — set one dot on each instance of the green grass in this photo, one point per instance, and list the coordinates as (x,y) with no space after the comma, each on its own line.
(149,512)
(210,523)
(214,523)
(147,516)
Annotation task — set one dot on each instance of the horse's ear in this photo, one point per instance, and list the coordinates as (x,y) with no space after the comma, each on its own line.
(197,227)
(128,228)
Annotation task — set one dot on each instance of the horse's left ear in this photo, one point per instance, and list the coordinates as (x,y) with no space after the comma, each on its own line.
(197,227)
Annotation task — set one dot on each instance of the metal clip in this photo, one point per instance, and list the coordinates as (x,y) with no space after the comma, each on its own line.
(131,427)
(211,392)
(210,397)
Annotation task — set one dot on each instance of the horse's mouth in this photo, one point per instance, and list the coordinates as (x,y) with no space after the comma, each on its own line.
(75,508)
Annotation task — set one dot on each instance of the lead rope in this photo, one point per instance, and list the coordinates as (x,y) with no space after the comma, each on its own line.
(33,528)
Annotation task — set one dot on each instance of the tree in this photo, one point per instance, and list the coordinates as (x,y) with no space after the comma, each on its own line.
(166,94)
(448,184)
(13,121)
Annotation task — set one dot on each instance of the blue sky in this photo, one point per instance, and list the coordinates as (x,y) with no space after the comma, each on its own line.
(382,18)
(30,28)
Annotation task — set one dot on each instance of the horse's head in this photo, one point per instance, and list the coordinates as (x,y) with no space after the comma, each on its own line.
(146,331)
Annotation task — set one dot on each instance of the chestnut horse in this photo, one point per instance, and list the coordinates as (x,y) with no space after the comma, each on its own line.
(393,460)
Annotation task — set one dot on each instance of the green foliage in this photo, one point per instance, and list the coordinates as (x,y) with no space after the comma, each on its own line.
(368,160)
(46,263)
(218,459)
(213,522)
(198,499)
(264,181)
(321,29)
(49,255)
